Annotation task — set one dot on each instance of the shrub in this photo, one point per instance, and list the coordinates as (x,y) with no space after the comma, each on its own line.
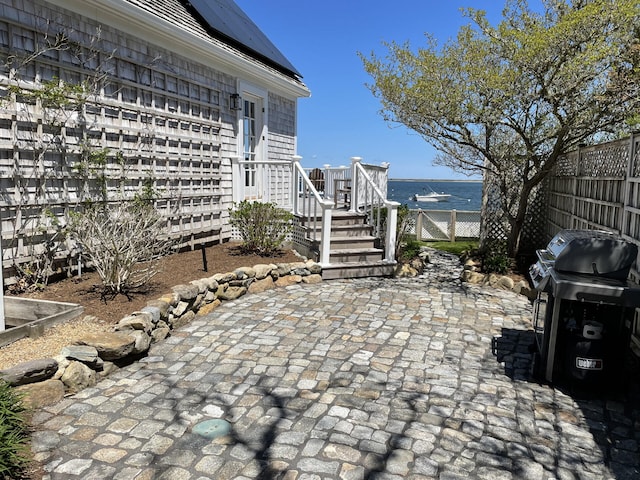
(410,249)
(14,434)
(263,227)
(495,258)
(123,241)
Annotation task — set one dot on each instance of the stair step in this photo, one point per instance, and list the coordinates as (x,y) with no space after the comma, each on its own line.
(358,270)
(355,255)
(352,242)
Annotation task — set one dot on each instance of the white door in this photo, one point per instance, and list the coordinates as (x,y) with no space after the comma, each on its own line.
(252,147)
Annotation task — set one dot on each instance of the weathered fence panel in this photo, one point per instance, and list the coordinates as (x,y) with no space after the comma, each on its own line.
(444,224)
(595,188)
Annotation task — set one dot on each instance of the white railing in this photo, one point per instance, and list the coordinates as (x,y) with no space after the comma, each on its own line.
(274,180)
(287,184)
(314,210)
(368,198)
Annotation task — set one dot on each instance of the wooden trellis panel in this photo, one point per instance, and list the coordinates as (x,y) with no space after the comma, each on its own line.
(158,117)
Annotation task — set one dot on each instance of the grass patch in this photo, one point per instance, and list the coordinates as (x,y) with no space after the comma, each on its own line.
(14,434)
(459,247)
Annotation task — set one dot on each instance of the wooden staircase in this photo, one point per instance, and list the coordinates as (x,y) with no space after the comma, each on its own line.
(353,249)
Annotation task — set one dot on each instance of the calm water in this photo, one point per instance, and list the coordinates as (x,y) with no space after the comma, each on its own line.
(464,195)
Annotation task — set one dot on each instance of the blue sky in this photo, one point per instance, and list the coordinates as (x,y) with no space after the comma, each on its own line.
(322,40)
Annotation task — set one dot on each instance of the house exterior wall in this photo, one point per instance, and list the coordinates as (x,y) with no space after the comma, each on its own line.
(164,119)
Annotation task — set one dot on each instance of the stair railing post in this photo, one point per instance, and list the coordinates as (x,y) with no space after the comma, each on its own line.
(237,179)
(295,183)
(391,233)
(354,184)
(325,239)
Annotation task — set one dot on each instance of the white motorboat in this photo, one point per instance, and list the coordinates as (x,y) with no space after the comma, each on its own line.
(432,197)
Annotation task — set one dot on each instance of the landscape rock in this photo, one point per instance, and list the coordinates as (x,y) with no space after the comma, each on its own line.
(242,283)
(171,298)
(210,296)
(303,272)
(183,319)
(405,270)
(201,284)
(245,272)
(154,312)
(282,269)
(41,394)
(232,293)
(263,270)
(161,305)
(224,277)
(77,376)
(312,279)
(30,372)
(142,342)
(313,267)
(186,293)
(159,334)
(288,280)
(81,353)
(110,346)
(209,307)
(135,322)
(180,308)
(472,277)
(261,285)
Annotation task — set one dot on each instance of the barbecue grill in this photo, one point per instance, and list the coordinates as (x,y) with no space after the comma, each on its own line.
(584,307)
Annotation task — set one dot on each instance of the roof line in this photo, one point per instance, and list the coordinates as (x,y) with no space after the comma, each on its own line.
(217,33)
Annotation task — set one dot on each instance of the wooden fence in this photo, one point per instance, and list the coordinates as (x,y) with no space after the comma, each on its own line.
(444,224)
(597,187)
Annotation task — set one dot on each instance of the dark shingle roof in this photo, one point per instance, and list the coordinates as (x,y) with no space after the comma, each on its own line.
(220,20)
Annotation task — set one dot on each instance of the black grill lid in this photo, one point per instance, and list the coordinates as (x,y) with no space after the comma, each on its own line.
(592,252)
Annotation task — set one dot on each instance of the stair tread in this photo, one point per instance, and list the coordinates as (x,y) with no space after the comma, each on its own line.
(352,237)
(356,250)
(359,264)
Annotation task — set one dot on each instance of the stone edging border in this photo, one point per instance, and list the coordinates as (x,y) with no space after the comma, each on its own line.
(93,357)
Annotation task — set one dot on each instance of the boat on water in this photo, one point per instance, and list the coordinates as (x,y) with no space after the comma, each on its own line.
(431,197)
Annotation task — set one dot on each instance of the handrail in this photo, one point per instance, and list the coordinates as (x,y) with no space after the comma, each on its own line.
(373,202)
(306,203)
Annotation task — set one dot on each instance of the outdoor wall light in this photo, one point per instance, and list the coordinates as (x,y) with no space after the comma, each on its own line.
(235,102)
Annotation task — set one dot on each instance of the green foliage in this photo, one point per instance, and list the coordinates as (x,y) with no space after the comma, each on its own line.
(409,249)
(14,434)
(511,99)
(496,262)
(262,226)
(495,258)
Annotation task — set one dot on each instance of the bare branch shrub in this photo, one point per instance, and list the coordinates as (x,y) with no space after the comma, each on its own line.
(123,241)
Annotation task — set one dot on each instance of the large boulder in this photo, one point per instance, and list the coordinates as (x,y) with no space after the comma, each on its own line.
(30,372)
(110,346)
(41,394)
(77,376)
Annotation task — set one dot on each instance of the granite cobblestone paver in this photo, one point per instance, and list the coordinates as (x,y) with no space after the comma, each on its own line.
(354,379)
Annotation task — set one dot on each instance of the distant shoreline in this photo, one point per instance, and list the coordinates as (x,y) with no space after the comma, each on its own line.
(432,180)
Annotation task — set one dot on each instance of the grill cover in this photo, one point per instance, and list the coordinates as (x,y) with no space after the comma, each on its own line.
(591,252)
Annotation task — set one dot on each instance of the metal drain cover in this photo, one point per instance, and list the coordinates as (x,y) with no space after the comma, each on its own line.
(212,428)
